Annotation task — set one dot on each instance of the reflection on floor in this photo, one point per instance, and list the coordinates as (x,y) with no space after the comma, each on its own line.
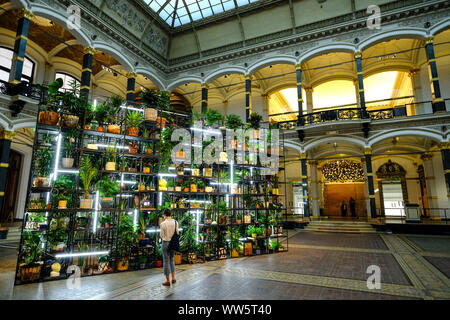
(317,266)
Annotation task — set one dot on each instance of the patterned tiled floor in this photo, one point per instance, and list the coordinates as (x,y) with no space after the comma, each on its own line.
(317,266)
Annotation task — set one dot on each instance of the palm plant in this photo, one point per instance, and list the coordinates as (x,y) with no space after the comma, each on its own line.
(87,173)
(135,119)
(233,122)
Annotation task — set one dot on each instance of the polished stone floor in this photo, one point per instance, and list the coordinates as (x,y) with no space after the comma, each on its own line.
(317,266)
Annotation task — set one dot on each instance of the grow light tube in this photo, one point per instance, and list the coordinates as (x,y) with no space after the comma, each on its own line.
(69,171)
(206,131)
(160,198)
(84,254)
(122,182)
(58,150)
(94,226)
(170,175)
(111,146)
(135,218)
(132,109)
(159,230)
(199,201)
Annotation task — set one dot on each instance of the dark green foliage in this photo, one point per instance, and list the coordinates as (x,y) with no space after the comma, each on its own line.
(233,122)
(213,117)
(127,235)
(31,250)
(254,121)
(107,187)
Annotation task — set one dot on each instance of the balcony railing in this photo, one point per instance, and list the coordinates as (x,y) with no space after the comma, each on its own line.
(355,113)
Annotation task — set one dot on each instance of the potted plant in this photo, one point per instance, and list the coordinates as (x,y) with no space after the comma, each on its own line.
(113,105)
(143,240)
(185,186)
(239,218)
(212,117)
(62,192)
(195,171)
(126,238)
(68,145)
(57,236)
(111,155)
(134,121)
(207,171)
(87,173)
(233,122)
(49,116)
(150,99)
(44,159)
(254,122)
(159,262)
(201,186)
(252,232)
(73,104)
(148,149)
(180,170)
(170,186)
(100,114)
(108,190)
(163,105)
(142,262)
(133,147)
(30,257)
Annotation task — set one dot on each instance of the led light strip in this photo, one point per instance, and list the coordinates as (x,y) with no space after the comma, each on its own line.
(94,226)
(159,230)
(93,253)
(58,150)
(206,131)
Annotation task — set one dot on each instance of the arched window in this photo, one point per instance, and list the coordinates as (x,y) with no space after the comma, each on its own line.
(67,80)
(6,55)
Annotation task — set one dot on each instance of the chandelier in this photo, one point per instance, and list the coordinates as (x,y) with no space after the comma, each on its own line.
(343,171)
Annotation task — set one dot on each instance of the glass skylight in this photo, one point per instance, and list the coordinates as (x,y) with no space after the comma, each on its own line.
(178,12)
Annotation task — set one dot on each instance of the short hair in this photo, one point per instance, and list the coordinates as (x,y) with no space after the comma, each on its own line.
(167,213)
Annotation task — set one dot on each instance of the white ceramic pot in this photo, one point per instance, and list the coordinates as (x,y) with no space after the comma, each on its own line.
(67,163)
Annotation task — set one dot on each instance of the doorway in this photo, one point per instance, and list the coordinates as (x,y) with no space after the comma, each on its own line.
(393,199)
(11,188)
(336,193)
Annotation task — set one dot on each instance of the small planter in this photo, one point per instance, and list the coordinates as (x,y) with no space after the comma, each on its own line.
(178,189)
(113,128)
(193,188)
(110,166)
(247,219)
(59,247)
(70,121)
(62,204)
(177,258)
(158,263)
(41,182)
(123,265)
(151,114)
(256,134)
(86,203)
(146,170)
(142,187)
(149,151)
(186,190)
(180,154)
(234,253)
(67,163)
(208,189)
(208,172)
(222,220)
(196,172)
(30,273)
(133,150)
(50,118)
(88,127)
(238,221)
(133,132)
(192,257)
(100,129)
(107,202)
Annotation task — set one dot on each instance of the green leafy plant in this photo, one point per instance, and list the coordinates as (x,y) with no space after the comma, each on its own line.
(111,153)
(62,190)
(100,113)
(251,230)
(135,119)
(233,122)
(31,250)
(53,95)
(254,121)
(44,159)
(212,117)
(87,173)
(107,187)
(127,235)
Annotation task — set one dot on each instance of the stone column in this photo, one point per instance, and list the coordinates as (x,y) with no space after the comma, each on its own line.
(303,157)
(438,101)
(248,97)
(358,100)
(5,149)
(131,88)
(370,184)
(204,98)
(315,198)
(20,46)
(265,107)
(309,99)
(431,185)
(413,110)
(366,184)
(86,74)
(298,69)
(362,98)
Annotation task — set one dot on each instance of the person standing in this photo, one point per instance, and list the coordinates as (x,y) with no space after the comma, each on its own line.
(353,207)
(344,208)
(168,228)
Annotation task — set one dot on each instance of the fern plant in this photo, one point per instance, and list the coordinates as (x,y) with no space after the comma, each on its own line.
(87,173)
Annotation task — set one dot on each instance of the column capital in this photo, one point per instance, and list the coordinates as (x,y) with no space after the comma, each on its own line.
(444,145)
(427,156)
(303,155)
(24,13)
(131,75)
(89,50)
(248,77)
(368,151)
(298,67)
(413,72)
(313,163)
(7,135)
(429,40)
(358,54)
(308,89)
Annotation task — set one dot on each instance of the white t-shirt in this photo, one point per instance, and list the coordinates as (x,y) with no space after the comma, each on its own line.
(168,229)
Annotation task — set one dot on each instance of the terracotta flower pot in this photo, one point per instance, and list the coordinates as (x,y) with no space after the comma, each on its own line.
(50,118)
(161,122)
(100,129)
(159,263)
(123,265)
(133,150)
(30,273)
(177,259)
(133,132)
(71,121)
(113,128)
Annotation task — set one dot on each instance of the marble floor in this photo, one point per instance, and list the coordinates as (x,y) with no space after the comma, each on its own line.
(323,266)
